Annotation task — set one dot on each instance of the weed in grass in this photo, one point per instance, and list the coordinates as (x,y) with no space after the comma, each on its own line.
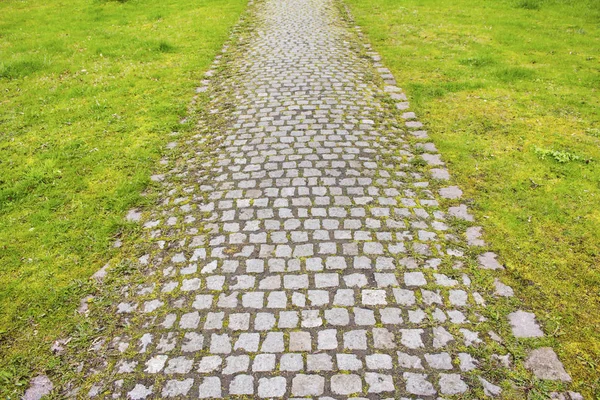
(418,162)
(594,132)
(478,61)
(165,47)
(529,4)
(20,69)
(558,155)
(512,74)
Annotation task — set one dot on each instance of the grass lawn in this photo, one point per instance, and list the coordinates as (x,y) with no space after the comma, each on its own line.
(510,92)
(91,90)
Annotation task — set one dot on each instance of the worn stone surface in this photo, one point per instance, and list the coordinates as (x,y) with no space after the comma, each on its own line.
(451,192)
(502,289)
(304,242)
(544,364)
(40,386)
(488,261)
(523,325)
(473,235)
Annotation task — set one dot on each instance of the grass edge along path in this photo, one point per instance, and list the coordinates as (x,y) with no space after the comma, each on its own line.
(93,90)
(509,94)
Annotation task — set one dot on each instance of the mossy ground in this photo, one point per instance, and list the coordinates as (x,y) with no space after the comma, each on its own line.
(509,93)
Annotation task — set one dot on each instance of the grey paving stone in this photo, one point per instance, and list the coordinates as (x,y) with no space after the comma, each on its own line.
(242,384)
(470,337)
(189,320)
(263,362)
(440,174)
(209,364)
(452,384)
(253,299)
(349,362)
(379,361)
(441,337)
(239,321)
(488,261)
(210,388)
(451,192)
(39,387)
(344,297)
(311,319)
(326,339)
(179,365)
(272,387)
(411,338)
(383,338)
(523,325)
(416,316)
(295,281)
(214,320)
(220,344)
(414,279)
(273,343)
(372,297)
(363,316)
(345,384)
(404,297)
(318,297)
(301,341)
(337,317)
(355,280)
(391,315)
(409,361)
(308,385)
(439,361)
(460,212)
(319,362)
(473,235)
(489,389)
(467,362)
(156,363)
(139,392)
(174,388)
(288,319)
(418,384)
(326,280)
(355,340)
(235,364)
(291,362)
(502,290)
(545,365)
(264,321)
(378,383)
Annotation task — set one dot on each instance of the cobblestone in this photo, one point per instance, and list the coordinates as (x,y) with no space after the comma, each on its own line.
(298,249)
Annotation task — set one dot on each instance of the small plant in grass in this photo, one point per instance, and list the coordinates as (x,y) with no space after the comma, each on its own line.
(165,47)
(19,69)
(529,4)
(594,132)
(478,61)
(418,162)
(558,155)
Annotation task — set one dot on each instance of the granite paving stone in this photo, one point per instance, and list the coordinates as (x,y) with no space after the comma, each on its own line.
(308,241)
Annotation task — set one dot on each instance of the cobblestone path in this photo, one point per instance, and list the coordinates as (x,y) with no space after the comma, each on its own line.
(309,244)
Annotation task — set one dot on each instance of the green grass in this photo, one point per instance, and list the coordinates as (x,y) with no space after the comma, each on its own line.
(510,92)
(91,91)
